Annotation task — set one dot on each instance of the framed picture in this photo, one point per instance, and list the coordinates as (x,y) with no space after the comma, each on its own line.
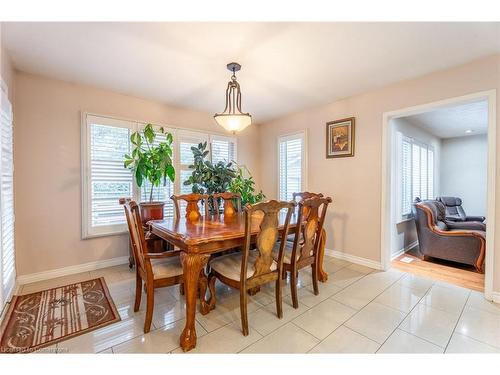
(340,138)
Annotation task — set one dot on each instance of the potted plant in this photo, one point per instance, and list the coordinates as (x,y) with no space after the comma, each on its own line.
(152,162)
(208,177)
(244,185)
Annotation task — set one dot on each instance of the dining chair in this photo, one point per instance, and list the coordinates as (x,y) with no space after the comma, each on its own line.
(304,251)
(192,207)
(156,270)
(249,269)
(302,196)
(229,199)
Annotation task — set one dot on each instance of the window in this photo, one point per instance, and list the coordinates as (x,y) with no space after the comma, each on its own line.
(7,254)
(104,143)
(221,149)
(186,140)
(108,140)
(417,172)
(292,165)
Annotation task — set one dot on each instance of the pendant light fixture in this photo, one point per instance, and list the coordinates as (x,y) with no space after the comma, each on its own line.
(232,119)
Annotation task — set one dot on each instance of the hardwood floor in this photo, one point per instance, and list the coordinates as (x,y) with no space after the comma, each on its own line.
(450,272)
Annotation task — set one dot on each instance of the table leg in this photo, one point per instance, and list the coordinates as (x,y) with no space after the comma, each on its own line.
(192,265)
(322,275)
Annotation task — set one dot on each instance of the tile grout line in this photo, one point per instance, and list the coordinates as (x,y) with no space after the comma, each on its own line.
(308,308)
(406,316)
(372,300)
(456,324)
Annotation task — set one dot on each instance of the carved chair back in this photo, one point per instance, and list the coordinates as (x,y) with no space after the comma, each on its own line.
(192,207)
(136,230)
(266,238)
(229,199)
(303,195)
(311,217)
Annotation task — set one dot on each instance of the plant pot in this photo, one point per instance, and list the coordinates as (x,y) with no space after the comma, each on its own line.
(151,211)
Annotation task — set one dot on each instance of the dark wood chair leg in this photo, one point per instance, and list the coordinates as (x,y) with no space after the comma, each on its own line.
(149,306)
(138,292)
(279,298)
(243,309)
(293,287)
(315,271)
(181,289)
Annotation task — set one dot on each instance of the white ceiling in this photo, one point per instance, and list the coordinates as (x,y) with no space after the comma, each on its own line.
(454,121)
(286,66)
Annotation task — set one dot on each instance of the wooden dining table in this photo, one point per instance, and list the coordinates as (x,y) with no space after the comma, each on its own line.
(201,238)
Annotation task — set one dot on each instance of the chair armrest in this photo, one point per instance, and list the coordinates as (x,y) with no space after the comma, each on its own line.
(475,218)
(467,225)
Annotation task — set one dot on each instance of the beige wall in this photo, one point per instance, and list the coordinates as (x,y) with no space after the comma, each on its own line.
(464,162)
(47,166)
(354,219)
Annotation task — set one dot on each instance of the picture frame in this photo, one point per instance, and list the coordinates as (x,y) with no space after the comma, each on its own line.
(340,136)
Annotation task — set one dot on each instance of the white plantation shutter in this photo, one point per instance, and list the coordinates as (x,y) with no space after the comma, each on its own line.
(430,173)
(7,253)
(222,149)
(291,165)
(406,177)
(186,140)
(107,179)
(417,172)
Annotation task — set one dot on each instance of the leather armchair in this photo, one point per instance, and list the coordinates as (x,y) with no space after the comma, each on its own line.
(436,239)
(455,211)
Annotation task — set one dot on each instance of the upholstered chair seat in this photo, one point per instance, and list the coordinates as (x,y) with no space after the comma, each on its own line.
(169,267)
(229,265)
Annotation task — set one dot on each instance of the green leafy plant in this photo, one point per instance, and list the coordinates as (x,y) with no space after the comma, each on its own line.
(150,161)
(208,177)
(244,185)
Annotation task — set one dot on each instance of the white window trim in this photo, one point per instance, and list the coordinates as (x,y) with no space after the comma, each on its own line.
(304,174)
(133,125)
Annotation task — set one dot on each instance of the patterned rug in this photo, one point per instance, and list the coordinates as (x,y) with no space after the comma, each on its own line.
(43,318)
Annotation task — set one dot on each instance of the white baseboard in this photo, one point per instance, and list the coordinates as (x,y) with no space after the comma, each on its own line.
(495,297)
(354,259)
(85,267)
(405,249)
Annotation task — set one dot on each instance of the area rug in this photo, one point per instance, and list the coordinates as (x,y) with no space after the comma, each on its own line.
(43,318)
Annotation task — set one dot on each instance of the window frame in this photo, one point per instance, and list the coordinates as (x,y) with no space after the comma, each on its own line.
(87,231)
(302,134)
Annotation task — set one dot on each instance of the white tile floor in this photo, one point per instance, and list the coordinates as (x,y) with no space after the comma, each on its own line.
(359,310)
